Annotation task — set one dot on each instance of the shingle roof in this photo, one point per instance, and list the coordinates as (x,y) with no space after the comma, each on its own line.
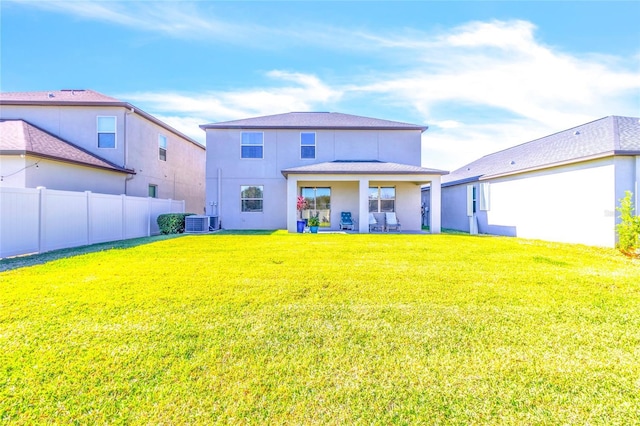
(314,120)
(613,135)
(20,137)
(82,97)
(362,167)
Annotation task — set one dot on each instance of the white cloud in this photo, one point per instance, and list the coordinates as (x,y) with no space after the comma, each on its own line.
(177,19)
(446,124)
(506,87)
(201,20)
(186,125)
(185,112)
(482,86)
(513,35)
(450,149)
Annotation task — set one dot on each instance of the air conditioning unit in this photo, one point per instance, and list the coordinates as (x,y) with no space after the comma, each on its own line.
(196,223)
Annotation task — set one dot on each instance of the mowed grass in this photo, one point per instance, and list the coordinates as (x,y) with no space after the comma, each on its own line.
(273,328)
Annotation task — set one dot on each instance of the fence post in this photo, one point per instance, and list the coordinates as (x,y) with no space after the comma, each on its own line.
(123,212)
(149,216)
(89,217)
(41,227)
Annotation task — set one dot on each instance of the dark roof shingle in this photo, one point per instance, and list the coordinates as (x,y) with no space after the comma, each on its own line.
(83,96)
(21,137)
(313,120)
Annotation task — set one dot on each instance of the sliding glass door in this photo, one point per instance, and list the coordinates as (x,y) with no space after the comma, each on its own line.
(318,202)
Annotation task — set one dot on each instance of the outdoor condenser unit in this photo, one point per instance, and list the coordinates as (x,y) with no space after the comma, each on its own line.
(196,223)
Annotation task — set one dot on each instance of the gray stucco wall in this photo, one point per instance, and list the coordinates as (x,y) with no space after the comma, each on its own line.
(573,203)
(282,151)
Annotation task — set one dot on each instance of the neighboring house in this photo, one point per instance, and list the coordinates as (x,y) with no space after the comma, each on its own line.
(257,167)
(564,187)
(81,140)
(31,157)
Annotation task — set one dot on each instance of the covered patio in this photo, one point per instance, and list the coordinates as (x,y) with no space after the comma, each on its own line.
(351,184)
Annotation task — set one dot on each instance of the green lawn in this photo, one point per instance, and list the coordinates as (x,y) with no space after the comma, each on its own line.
(256,328)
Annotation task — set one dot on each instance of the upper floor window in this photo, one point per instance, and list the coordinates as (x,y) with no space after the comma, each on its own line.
(252,145)
(382,199)
(162,147)
(308,145)
(106,132)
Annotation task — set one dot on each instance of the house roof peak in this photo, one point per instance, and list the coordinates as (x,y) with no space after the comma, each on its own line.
(81,97)
(314,120)
(59,96)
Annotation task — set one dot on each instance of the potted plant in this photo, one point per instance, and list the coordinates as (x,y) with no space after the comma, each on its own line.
(301,204)
(314,223)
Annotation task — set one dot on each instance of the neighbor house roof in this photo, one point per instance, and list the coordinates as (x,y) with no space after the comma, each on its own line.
(18,137)
(362,167)
(613,135)
(81,97)
(314,120)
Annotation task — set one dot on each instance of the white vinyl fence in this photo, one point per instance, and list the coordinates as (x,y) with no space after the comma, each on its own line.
(40,220)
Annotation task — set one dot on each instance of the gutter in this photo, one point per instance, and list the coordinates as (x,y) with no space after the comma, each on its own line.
(613,153)
(602,155)
(113,168)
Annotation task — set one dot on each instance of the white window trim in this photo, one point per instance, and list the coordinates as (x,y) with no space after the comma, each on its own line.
(379,198)
(241,145)
(115,131)
(241,199)
(315,145)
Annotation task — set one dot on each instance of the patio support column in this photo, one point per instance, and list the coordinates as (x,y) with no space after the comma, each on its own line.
(363,202)
(292,196)
(436,209)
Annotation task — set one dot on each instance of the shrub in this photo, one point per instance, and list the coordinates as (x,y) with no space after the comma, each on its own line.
(629,226)
(172,223)
(314,221)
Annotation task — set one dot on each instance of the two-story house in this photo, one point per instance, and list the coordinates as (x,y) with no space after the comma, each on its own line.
(257,167)
(82,140)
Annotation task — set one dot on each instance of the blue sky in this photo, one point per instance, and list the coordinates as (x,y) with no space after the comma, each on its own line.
(482,75)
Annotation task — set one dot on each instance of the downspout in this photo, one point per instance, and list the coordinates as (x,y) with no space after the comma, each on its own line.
(126,148)
(219,197)
(637,185)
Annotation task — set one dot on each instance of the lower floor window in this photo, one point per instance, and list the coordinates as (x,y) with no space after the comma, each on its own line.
(318,203)
(153,191)
(382,199)
(251,198)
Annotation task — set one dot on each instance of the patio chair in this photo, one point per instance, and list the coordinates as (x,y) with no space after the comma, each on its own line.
(374,224)
(392,221)
(346,221)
